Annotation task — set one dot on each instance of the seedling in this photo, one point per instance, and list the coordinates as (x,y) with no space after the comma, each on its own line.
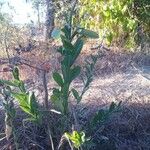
(10,115)
(103,115)
(72,39)
(77,139)
(27,100)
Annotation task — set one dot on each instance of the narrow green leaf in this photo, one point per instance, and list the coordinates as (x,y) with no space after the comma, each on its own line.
(74,72)
(22,98)
(57,102)
(24,103)
(77,138)
(27,110)
(77,50)
(99,117)
(76,95)
(10,83)
(67,31)
(33,103)
(61,50)
(56,91)
(16,73)
(112,107)
(67,44)
(57,77)
(22,87)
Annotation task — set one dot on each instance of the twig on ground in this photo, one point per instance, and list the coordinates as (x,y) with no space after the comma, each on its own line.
(50,136)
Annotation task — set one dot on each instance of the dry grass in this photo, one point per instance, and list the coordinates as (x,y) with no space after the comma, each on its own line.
(116,80)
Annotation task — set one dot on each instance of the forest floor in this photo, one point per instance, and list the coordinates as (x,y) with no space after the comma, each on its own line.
(130,87)
(130,129)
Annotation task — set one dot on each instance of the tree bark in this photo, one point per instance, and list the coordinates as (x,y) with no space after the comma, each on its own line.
(38,16)
(49,20)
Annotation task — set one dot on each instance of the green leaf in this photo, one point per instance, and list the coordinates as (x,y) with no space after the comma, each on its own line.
(54,97)
(67,44)
(74,72)
(99,117)
(56,91)
(77,138)
(28,104)
(33,104)
(89,34)
(74,138)
(16,73)
(67,31)
(22,98)
(23,102)
(61,50)
(10,83)
(77,49)
(22,87)
(64,69)
(27,110)
(78,45)
(57,102)
(76,95)
(112,107)
(57,77)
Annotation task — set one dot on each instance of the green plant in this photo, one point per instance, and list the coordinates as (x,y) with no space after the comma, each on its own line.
(104,114)
(72,39)
(77,138)
(96,126)
(10,115)
(118,18)
(27,100)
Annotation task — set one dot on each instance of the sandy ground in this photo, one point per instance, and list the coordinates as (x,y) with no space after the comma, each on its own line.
(130,87)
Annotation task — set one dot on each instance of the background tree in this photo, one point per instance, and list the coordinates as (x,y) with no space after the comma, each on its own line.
(48,5)
(37,5)
(119,18)
(49,20)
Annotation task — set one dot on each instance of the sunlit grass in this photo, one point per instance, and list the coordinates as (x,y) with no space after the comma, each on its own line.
(3,53)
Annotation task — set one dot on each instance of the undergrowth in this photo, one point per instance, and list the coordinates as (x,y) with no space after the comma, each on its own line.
(56,127)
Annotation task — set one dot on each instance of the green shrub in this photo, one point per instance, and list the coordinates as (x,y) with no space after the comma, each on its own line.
(27,100)
(119,19)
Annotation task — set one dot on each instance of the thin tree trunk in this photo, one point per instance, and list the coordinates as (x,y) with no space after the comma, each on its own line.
(6,46)
(49,22)
(38,15)
(45,90)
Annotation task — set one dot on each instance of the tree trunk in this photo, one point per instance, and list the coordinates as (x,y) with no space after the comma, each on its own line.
(38,16)
(49,22)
